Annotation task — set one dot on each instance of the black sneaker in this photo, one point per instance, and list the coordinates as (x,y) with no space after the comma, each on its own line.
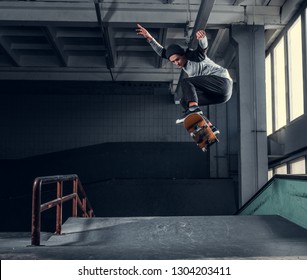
(190,110)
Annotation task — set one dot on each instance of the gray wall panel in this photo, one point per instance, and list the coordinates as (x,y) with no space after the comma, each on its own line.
(33,124)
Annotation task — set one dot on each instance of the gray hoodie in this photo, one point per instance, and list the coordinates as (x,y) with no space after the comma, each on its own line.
(198,63)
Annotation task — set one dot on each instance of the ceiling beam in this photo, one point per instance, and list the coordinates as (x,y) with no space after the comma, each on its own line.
(216,43)
(289,9)
(229,56)
(51,35)
(262,15)
(121,14)
(8,52)
(110,46)
(270,36)
(201,20)
(265,2)
(237,2)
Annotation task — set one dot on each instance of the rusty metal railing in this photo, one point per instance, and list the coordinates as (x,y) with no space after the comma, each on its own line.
(78,197)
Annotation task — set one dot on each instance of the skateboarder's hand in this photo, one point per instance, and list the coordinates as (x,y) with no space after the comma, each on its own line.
(200,34)
(142,31)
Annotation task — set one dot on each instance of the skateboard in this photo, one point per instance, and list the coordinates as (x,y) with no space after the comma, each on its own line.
(200,131)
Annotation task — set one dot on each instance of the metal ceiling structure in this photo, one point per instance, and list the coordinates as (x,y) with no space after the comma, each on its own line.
(95,40)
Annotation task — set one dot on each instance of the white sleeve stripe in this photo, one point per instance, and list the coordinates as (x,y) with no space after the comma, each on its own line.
(156,47)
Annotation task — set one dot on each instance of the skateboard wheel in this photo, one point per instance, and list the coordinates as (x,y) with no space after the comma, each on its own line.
(204,149)
(192,134)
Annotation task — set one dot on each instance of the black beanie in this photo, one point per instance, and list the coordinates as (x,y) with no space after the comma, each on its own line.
(174,49)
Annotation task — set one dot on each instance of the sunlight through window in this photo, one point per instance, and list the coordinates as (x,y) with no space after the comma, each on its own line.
(298,166)
(296,70)
(281,169)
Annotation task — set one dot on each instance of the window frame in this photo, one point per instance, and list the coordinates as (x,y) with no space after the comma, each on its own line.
(284,36)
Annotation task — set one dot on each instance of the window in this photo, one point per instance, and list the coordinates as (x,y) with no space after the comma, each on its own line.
(270,174)
(285,76)
(295,70)
(281,169)
(280,85)
(268,85)
(298,166)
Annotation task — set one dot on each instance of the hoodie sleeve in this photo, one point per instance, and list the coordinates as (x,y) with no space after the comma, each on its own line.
(199,54)
(160,51)
(203,43)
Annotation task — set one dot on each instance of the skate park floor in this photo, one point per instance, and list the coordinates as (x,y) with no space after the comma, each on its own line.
(163,238)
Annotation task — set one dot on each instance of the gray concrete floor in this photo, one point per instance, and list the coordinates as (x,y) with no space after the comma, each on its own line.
(197,237)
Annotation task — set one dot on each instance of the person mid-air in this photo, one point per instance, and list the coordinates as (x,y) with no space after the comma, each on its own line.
(207,83)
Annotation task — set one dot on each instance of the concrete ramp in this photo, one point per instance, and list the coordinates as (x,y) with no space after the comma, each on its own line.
(180,238)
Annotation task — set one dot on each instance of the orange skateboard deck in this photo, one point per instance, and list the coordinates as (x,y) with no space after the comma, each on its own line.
(200,131)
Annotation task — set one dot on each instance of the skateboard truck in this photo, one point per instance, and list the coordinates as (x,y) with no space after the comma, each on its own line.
(200,131)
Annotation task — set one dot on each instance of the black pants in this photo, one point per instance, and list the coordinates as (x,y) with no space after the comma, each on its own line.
(205,90)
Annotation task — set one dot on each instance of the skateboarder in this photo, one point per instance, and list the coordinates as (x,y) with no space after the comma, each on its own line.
(207,82)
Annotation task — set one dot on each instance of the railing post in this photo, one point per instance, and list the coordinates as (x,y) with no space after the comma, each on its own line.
(75,199)
(38,207)
(36,213)
(84,207)
(59,208)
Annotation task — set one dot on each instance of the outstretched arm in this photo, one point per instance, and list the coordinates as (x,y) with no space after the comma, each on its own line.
(151,40)
(144,32)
